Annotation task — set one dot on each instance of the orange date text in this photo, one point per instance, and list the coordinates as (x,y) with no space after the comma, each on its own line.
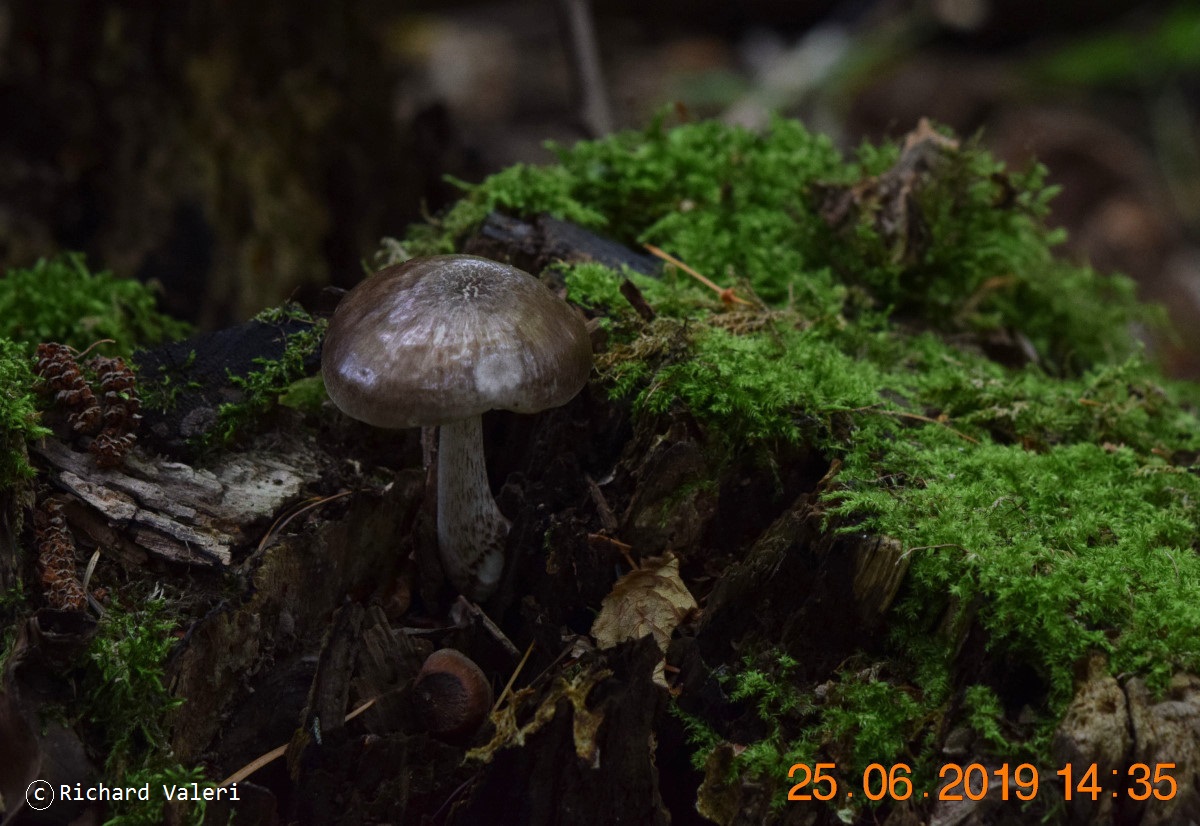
(975,781)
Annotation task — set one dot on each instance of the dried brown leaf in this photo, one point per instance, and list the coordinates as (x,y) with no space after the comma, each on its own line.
(651,601)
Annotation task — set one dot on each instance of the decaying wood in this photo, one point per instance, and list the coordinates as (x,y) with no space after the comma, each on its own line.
(769,578)
(880,565)
(533,246)
(329,696)
(674,498)
(39,743)
(1114,724)
(379,766)
(387,661)
(890,198)
(1167,730)
(294,587)
(1096,730)
(178,513)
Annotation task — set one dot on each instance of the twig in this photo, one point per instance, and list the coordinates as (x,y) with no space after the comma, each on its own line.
(508,688)
(275,753)
(93,345)
(254,765)
(87,578)
(607,518)
(919,418)
(726,294)
(279,524)
(934,548)
(597,539)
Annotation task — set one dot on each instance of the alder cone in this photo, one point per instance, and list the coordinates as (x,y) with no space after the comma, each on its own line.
(56,558)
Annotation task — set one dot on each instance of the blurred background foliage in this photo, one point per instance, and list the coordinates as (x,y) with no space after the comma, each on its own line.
(240,154)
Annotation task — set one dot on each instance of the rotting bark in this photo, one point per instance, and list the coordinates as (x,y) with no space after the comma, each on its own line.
(533,245)
(174,512)
(292,590)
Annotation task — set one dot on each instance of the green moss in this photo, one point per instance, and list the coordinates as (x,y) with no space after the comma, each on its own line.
(59,299)
(263,389)
(699,734)
(127,707)
(18,414)
(13,608)
(788,719)
(869,717)
(1081,548)
(153,812)
(859,719)
(1122,403)
(161,391)
(983,713)
(123,683)
(306,394)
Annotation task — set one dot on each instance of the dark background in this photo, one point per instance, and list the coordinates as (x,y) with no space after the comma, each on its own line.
(242,153)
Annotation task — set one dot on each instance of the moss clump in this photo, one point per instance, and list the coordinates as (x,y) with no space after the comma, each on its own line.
(858,717)
(781,708)
(263,388)
(162,390)
(128,708)
(1049,501)
(1082,548)
(18,414)
(974,252)
(60,299)
(127,700)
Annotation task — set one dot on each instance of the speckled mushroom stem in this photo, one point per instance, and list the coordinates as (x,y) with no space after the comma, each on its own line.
(471,529)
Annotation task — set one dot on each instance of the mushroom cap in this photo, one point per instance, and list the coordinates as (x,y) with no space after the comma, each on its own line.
(447,337)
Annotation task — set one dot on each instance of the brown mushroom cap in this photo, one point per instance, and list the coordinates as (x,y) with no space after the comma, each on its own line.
(447,337)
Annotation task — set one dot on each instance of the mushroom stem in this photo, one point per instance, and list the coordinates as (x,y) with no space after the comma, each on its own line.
(471,529)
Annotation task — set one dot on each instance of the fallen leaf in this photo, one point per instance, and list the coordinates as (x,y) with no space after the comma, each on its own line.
(510,733)
(651,601)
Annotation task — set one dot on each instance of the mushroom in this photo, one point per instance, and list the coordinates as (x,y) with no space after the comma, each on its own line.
(439,341)
(452,695)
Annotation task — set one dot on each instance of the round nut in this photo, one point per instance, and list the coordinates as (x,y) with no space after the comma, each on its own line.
(452,695)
